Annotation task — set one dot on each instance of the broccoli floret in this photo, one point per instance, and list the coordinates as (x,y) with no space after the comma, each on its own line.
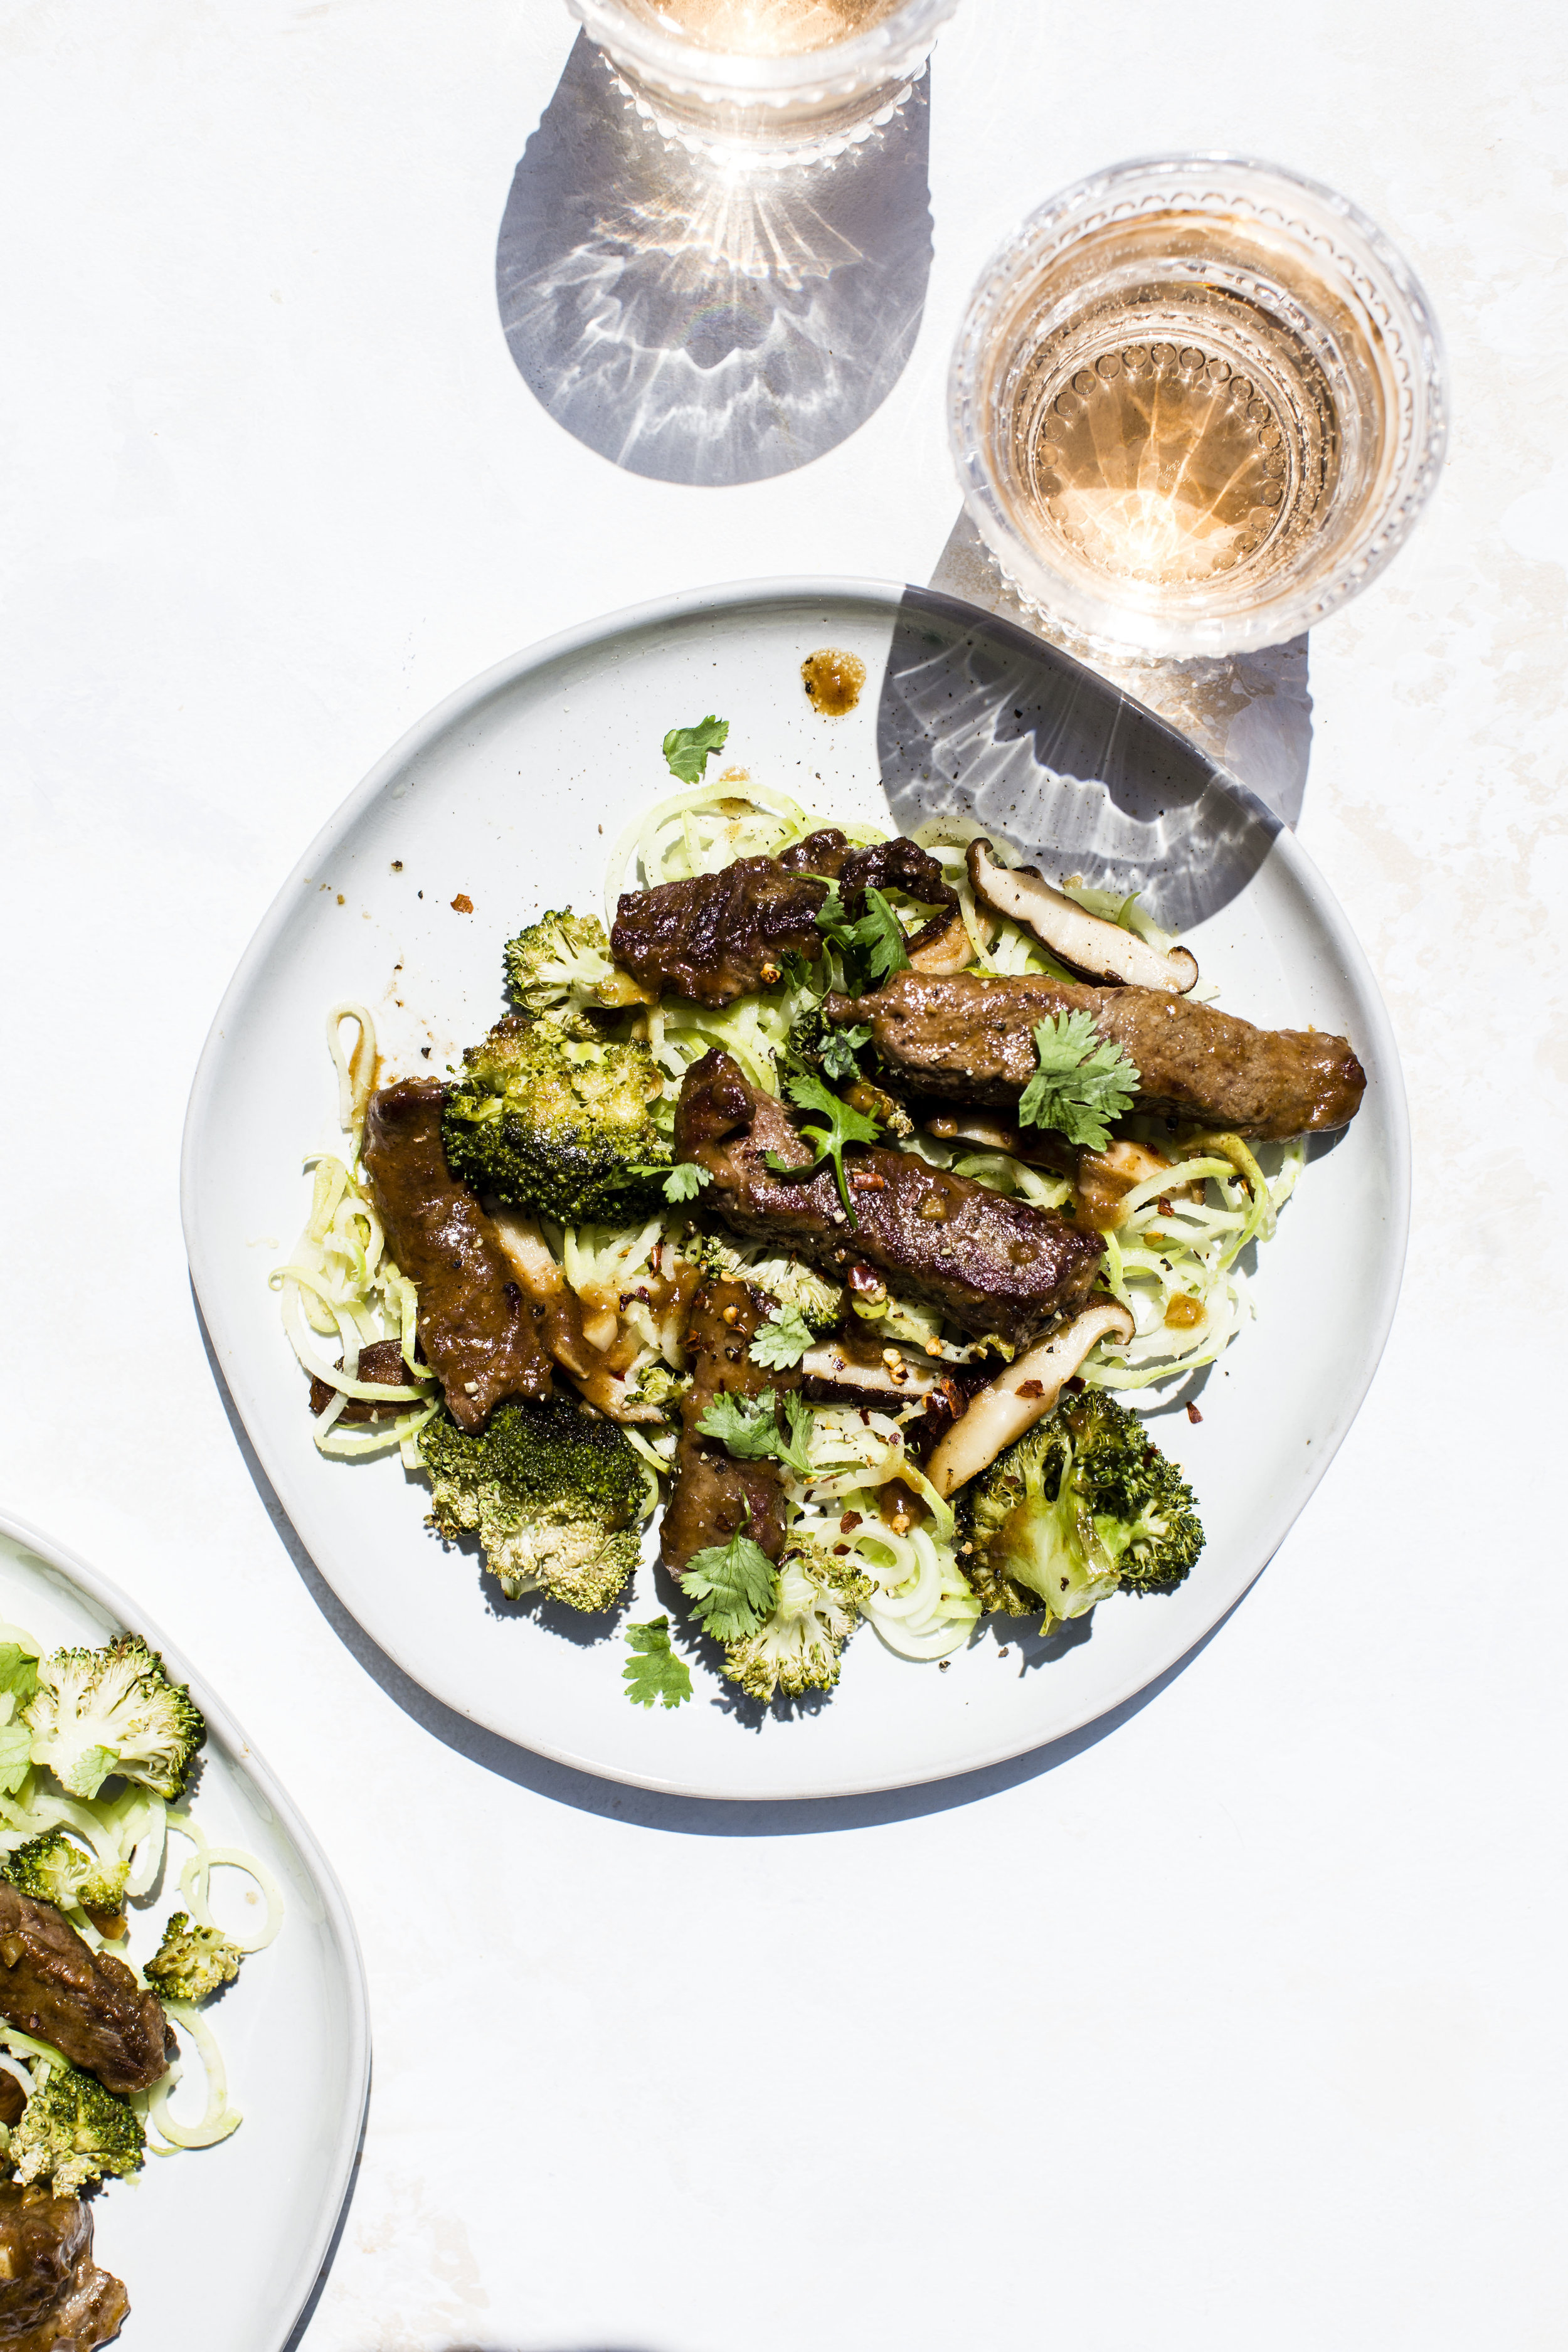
(96,1711)
(561,966)
(818,1301)
(192,1962)
(73,2132)
(558,1125)
(657,1386)
(53,1868)
(797,1647)
(556,1493)
(1081,1506)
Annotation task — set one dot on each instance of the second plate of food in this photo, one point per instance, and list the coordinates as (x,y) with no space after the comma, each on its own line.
(1259,1281)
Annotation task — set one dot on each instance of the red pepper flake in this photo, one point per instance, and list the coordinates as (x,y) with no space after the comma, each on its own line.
(1030,1388)
(866,1180)
(841,1550)
(849,1522)
(1166,1209)
(1076,1385)
(462,904)
(1193,1413)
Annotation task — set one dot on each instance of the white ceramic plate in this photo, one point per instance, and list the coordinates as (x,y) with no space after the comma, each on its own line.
(511,794)
(222,2245)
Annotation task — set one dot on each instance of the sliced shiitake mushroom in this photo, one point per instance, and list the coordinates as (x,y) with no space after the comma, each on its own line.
(831,1375)
(1020,1396)
(1086,943)
(949,950)
(591,1346)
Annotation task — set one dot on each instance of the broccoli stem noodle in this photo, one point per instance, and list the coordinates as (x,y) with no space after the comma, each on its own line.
(1178,1256)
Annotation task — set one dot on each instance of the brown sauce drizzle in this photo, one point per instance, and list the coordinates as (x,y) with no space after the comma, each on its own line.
(832,680)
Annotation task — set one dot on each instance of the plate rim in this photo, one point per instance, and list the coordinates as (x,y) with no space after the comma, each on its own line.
(692,605)
(129,1613)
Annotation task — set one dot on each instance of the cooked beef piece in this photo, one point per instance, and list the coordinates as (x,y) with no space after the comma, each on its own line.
(383,1362)
(989,1262)
(53,2298)
(12,2099)
(480,1335)
(713,1493)
(718,935)
(972,1040)
(87,2003)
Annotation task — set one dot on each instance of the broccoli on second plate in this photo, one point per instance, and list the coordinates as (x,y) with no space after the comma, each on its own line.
(192,1962)
(73,2132)
(97,1712)
(796,1648)
(561,967)
(555,1494)
(52,1868)
(1081,1506)
(558,1125)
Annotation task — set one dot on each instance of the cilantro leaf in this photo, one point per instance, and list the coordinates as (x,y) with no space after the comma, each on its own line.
(877,936)
(654,1671)
(18,1674)
(688,750)
(748,1428)
(839,1048)
(16,1755)
(1084,1081)
(685,1181)
(734,1585)
(845,1125)
(781,1341)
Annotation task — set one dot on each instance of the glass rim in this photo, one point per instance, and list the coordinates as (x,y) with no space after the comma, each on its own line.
(1373,271)
(884,52)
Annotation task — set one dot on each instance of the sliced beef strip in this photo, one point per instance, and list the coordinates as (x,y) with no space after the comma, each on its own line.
(970,1039)
(718,935)
(990,1263)
(380,1362)
(53,2297)
(480,1336)
(713,1495)
(87,2003)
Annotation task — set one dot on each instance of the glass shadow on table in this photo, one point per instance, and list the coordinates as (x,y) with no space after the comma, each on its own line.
(979,721)
(696,324)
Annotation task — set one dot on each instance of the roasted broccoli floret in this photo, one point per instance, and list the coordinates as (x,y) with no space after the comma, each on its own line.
(557,1124)
(796,1648)
(555,1494)
(53,1868)
(97,1712)
(657,1386)
(73,2132)
(561,966)
(818,1302)
(192,1962)
(1081,1506)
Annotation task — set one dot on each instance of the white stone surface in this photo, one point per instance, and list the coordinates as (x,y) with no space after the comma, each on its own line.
(1237,2024)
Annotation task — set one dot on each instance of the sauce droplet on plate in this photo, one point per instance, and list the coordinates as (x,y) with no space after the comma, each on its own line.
(832,680)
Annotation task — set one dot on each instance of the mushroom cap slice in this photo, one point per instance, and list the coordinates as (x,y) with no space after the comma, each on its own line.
(949,950)
(1020,1396)
(1086,943)
(828,1366)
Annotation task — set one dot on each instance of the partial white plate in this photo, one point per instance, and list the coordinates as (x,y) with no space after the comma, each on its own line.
(511,795)
(224,2245)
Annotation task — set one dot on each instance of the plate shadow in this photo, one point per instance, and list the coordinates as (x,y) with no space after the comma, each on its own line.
(695,324)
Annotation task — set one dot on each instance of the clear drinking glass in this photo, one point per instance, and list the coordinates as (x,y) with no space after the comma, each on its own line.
(1196,405)
(769,81)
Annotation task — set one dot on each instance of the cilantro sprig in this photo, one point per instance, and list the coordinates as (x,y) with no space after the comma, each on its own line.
(688,750)
(843,1125)
(781,1341)
(654,1672)
(734,1586)
(877,936)
(1084,1081)
(749,1429)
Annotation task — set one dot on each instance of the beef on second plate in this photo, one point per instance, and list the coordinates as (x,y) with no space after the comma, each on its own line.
(53,2296)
